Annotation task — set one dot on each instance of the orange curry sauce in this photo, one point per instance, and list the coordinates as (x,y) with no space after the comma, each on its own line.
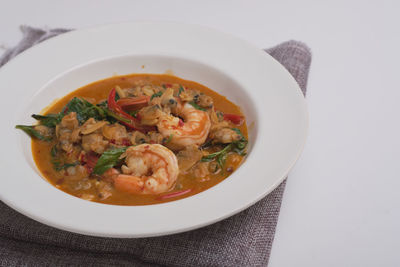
(99,90)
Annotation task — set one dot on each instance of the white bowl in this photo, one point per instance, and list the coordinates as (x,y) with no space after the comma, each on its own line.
(268,95)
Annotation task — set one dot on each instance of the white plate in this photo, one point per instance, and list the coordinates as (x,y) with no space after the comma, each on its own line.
(270,98)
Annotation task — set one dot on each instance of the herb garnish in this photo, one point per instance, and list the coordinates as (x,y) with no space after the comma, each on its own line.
(158,94)
(111,115)
(220,115)
(236,146)
(133,113)
(108,159)
(84,110)
(58,166)
(54,151)
(167,140)
(240,145)
(50,120)
(196,106)
(219,156)
(180,90)
(30,130)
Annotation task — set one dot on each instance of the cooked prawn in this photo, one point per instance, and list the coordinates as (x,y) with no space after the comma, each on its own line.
(149,169)
(193,130)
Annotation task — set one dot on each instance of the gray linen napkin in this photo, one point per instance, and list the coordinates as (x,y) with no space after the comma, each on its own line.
(241,240)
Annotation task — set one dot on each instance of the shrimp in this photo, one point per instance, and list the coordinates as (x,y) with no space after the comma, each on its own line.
(149,169)
(193,130)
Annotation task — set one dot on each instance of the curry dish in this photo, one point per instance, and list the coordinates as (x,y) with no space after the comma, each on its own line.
(138,139)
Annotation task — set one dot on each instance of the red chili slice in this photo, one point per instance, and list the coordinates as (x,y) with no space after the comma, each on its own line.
(133,103)
(236,119)
(174,194)
(134,123)
(91,161)
(126,142)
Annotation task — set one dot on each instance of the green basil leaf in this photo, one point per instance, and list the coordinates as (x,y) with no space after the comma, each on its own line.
(115,116)
(221,159)
(215,154)
(208,143)
(158,94)
(103,104)
(180,90)
(240,145)
(49,120)
(117,97)
(84,110)
(220,115)
(167,140)
(30,130)
(196,106)
(108,160)
(239,132)
(54,151)
(205,159)
(133,113)
(58,166)
(110,116)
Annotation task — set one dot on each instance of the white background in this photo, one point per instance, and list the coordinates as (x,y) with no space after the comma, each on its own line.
(341,206)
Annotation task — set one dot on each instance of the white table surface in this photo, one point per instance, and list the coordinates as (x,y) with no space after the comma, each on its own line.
(341,206)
